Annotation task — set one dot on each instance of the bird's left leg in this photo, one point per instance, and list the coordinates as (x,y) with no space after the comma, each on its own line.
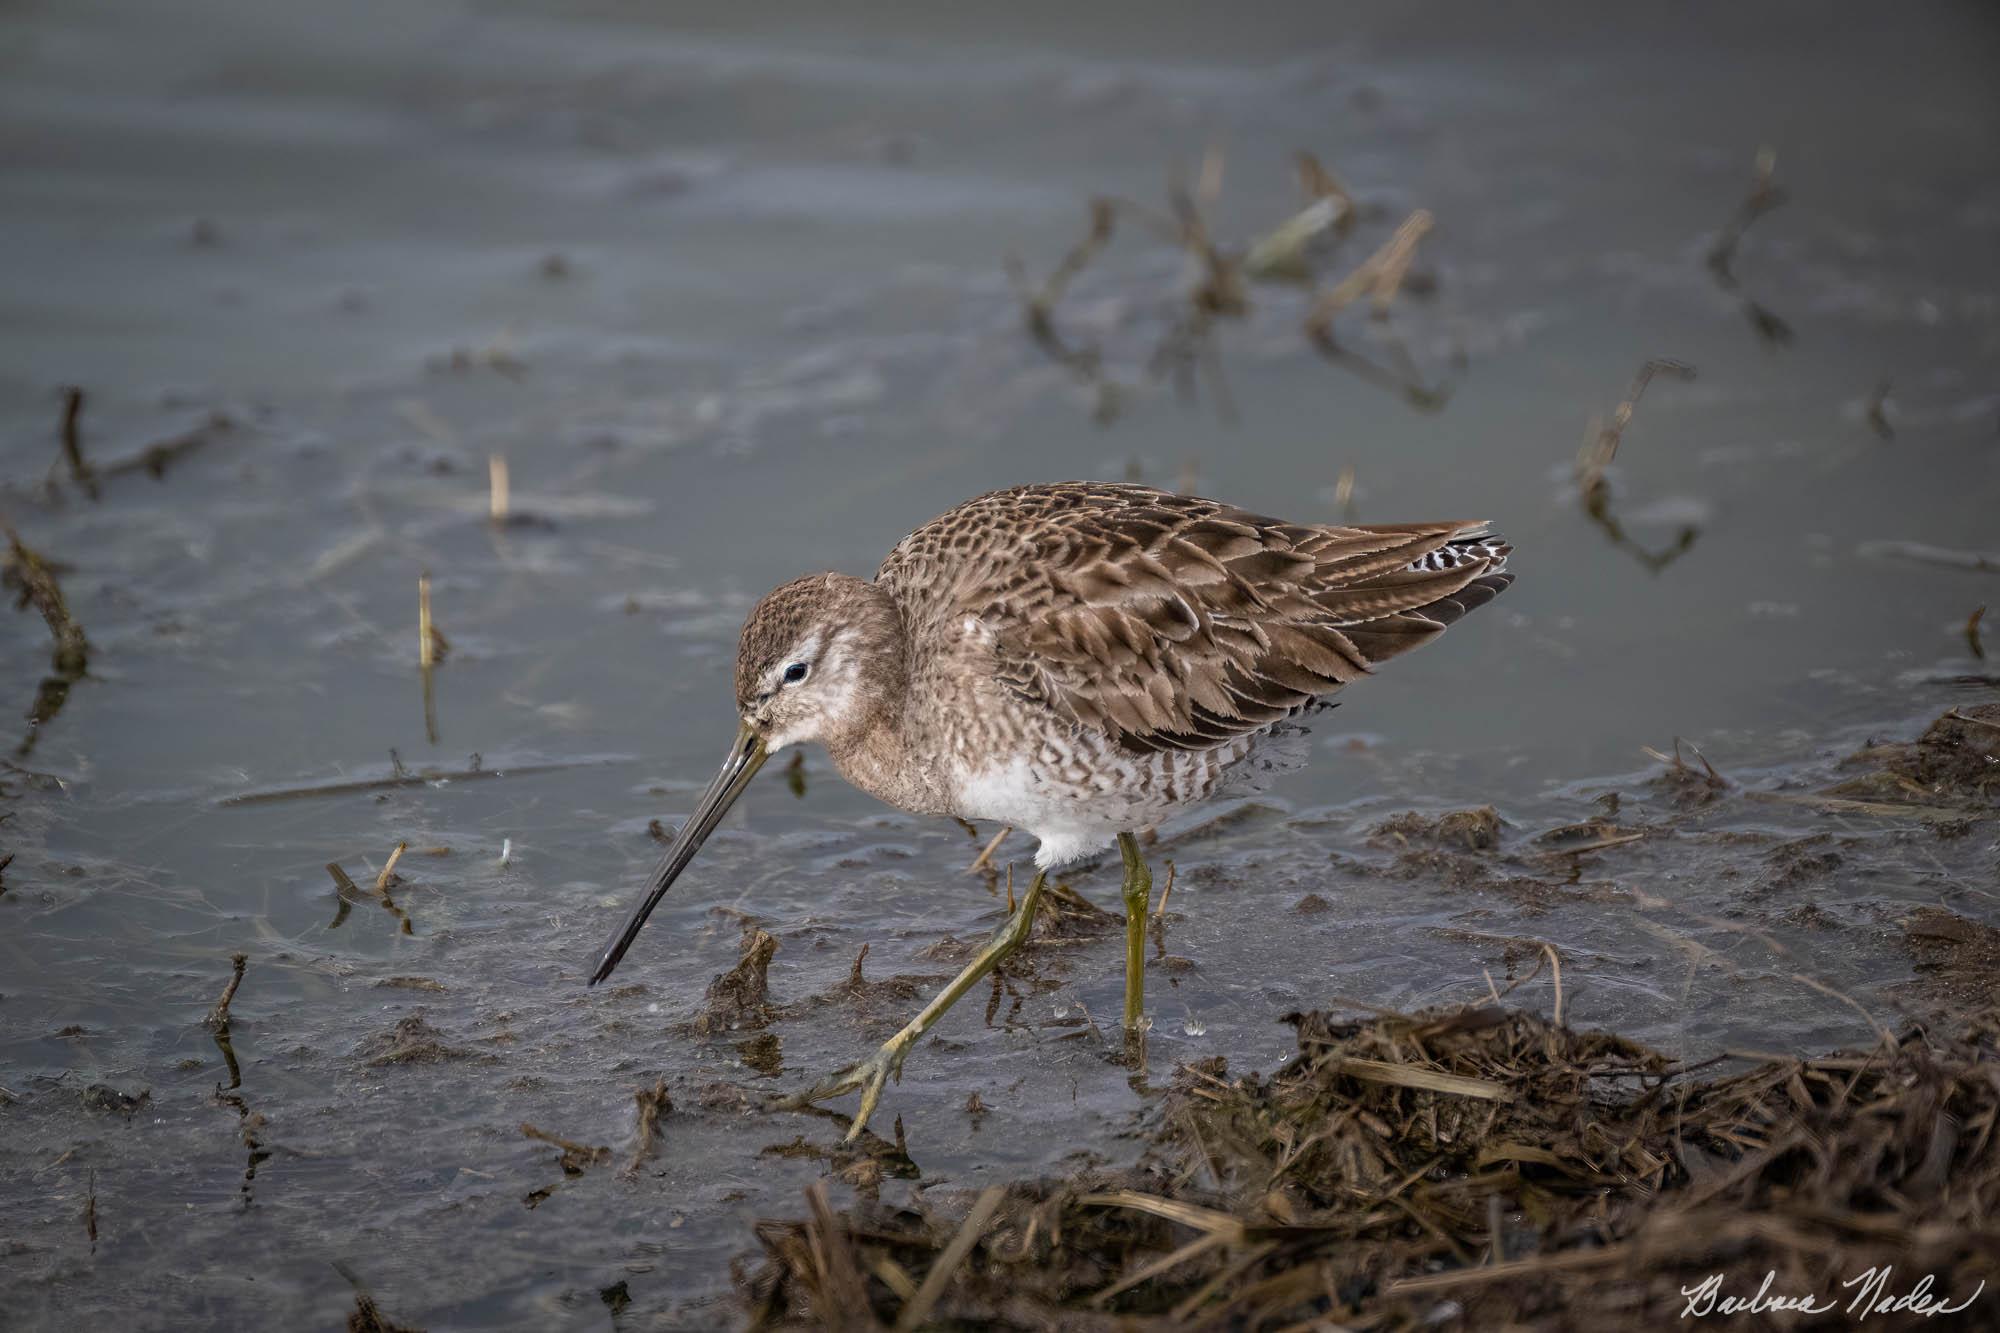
(871,1074)
(1138,897)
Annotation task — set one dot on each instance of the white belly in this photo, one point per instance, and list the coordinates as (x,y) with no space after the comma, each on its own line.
(1071,821)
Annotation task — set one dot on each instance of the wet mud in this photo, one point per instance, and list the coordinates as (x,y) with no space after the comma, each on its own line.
(411,406)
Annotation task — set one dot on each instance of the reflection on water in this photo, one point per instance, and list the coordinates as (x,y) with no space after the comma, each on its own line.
(729,296)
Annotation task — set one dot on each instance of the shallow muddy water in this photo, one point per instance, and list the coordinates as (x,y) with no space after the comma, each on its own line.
(728,294)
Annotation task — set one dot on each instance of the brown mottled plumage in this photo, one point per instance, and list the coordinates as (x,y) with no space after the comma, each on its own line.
(1082,659)
(1079,661)
(1167,622)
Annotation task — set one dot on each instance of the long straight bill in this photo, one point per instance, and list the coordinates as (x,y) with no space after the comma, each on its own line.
(745,757)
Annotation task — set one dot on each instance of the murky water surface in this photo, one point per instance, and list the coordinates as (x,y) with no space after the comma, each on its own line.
(727,293)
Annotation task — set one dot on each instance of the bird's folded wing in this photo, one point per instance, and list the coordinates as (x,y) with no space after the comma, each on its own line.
(1171,623)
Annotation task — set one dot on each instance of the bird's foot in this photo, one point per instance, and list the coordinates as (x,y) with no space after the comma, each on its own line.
(869,1075)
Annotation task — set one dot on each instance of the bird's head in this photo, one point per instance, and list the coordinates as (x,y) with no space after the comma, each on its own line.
(818,660)
(809,661)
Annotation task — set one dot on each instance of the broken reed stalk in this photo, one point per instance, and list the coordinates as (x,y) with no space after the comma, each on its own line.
(431,648)
(218,1017)
(72,441)
(498,504)
(1556,963)
(404,778)
(1381,274)
(583,1153)
(1396,266)
(1287,252)
(28,572)
(1602,446)
(1038,308)
(985,857)
(389,869)
(426,645)
(1762,198)
(350,893)
(1208,182)
(653,1103)
(154,458)
(1040,304)
(1319,183)
(935,1281)
(1343,493)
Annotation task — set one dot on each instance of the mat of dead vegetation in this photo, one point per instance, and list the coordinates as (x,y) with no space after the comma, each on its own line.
(1474,1167)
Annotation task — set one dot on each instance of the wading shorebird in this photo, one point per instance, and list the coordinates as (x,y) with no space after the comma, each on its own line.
(1079,661)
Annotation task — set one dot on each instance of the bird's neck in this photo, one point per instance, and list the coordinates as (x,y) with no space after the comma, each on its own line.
(871,745)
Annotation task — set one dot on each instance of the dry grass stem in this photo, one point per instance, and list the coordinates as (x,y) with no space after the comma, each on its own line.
(382,880)
(1160,913)
(72,442)
(32,578)
(1762,198)
(1379,275)
(575,1156)
(426,629)
(935,1281)
(402,778)
(499,507)
(1978,562)
(985,857)
(1601,448)
(653,1103)
(218,1017)
(1556,966)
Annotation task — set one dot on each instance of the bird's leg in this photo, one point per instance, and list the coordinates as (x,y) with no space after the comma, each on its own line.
(871,1074)
(1138,897)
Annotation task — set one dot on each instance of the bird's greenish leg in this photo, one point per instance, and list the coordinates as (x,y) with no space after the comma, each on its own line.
(871,1074)
(1138,897)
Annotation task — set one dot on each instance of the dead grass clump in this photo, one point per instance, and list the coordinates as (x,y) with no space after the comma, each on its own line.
(1958,754)
(411,1042)
(1474,1165)
(1687,787)
(653,1103)
(576,1157)
(741,997)
(1474,830)
(1957,958)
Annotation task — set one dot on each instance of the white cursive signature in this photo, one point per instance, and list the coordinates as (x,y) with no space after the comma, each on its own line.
(1871,1296)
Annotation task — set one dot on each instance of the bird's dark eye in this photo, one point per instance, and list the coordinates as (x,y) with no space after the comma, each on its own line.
(795,673)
